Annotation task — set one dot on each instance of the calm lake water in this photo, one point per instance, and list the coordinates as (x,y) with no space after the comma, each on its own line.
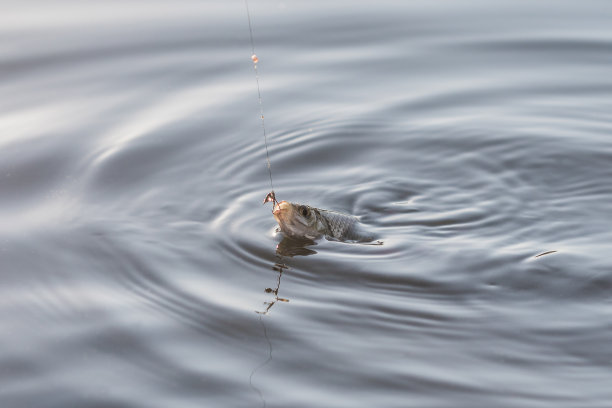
(139,268)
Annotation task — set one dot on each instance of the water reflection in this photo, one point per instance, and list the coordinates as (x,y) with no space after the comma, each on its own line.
(263,363)
(290,247)
(286,248)
(280,267)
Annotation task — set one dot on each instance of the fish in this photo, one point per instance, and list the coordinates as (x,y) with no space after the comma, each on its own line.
(302,221)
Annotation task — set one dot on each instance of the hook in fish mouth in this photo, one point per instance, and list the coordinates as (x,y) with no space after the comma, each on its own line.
(271,197)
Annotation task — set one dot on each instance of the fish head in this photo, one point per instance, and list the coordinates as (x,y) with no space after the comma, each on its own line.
(296,220)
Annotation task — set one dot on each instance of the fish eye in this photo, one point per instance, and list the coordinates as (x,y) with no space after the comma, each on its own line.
(304,211)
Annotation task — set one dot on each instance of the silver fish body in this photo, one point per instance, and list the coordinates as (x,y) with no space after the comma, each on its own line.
(303,221)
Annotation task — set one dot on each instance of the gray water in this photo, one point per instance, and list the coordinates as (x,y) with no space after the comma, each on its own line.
(139,268)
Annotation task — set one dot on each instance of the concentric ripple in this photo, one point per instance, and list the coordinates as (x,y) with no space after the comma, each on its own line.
(140,269)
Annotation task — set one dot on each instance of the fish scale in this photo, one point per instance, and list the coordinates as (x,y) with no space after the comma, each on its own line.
(340,226)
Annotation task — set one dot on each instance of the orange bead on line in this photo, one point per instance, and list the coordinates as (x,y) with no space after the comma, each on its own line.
(255,59)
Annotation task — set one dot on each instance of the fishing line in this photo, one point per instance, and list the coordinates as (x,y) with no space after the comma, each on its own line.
(262,364)
(261,110)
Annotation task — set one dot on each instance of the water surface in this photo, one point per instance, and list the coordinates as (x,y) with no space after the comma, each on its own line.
(139,268)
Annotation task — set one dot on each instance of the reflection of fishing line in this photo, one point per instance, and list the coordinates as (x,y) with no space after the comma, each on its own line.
(280,267)
(264,363)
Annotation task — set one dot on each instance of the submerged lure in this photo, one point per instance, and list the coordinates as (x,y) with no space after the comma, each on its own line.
(303,221)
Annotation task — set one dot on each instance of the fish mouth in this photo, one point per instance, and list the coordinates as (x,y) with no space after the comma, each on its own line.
(290,222)
(280,208)
(283,213)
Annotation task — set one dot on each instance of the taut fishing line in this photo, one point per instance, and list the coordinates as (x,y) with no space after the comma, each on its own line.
(270,196)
